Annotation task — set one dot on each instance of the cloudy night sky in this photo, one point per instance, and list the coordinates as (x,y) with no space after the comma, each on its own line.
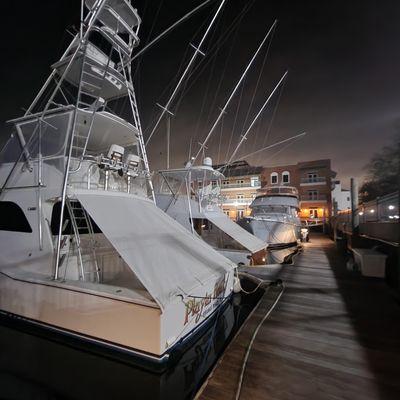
(343,85)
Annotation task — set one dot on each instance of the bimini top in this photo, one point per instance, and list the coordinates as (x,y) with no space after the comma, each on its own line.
(194,173)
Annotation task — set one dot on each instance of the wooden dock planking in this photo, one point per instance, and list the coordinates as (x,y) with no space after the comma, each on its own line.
(333,335)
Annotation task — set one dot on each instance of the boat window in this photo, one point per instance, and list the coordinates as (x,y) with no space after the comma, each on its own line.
(274,209)
(11,150)
(67,226)
(12,218)
(52,131)
(200,225)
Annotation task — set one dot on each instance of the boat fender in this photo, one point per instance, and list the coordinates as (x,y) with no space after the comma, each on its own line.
(236,285)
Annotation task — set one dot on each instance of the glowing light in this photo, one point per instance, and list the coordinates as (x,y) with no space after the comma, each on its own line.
(391,207)
(372,211)
(360,213)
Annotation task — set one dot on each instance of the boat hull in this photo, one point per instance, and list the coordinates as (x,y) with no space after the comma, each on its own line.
(117,326)
(276,233)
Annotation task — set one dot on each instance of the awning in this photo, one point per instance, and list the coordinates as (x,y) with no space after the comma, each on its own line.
(236,232)
(164,256)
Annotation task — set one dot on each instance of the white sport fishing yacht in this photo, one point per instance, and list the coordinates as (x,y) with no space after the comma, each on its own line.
(274,217)
(84,251)
(191,196)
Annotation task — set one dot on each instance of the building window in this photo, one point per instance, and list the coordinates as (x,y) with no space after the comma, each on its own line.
(13,218)
(240,181)
(240,214)
(199,184)
(312,177)
(226,212)
(254,181)
(214,183)
(225,182)
(274,178)
(312,194)
(240,196)
(285,177)
(313,212)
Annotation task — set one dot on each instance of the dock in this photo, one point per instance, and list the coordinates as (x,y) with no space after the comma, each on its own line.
(333,335)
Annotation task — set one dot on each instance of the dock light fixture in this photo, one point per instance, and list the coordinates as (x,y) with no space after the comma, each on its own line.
(391,207)
(372,211)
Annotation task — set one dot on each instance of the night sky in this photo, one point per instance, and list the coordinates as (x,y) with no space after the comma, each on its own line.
(343,86)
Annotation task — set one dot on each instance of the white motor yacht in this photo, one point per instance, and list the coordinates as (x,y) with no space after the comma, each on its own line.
(274,217)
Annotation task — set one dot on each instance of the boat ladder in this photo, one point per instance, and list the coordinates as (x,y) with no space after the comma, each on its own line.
(82,225)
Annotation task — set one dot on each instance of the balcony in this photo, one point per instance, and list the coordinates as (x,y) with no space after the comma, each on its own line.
(314,198)
(317,180)
(237,202)
(245,185)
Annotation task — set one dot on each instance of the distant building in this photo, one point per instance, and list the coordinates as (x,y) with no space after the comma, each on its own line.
(239,188)
(340,197)
(313,180)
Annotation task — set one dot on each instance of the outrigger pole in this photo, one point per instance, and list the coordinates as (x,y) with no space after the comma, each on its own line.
(223,109)
(244,136)
(186,71)
(269,147)
(169,29)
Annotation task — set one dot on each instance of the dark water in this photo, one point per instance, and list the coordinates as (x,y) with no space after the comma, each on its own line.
(32,367)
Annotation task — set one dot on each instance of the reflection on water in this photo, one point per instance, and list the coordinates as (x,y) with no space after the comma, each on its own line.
(35,368)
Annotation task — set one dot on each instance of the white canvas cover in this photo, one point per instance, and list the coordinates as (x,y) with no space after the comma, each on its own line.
(165,257)
(246,239)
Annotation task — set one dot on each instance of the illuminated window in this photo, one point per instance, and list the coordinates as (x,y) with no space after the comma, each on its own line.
(254,181)
(274,178)
(285,177)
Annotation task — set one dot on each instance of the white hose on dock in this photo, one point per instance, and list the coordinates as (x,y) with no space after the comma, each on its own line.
(238,391)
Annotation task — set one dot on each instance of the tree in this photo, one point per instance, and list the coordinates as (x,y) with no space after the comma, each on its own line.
(383,172)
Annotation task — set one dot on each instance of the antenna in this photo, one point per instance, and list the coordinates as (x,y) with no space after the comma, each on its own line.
(234,91)
(186,71)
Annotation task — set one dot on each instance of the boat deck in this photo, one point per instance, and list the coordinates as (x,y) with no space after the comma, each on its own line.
(333,335)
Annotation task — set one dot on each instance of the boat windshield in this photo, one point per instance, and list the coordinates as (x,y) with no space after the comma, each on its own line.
(272,209)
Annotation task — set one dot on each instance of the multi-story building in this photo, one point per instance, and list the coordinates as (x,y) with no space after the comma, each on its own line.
(340,197)
(239,188)
(313,180)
